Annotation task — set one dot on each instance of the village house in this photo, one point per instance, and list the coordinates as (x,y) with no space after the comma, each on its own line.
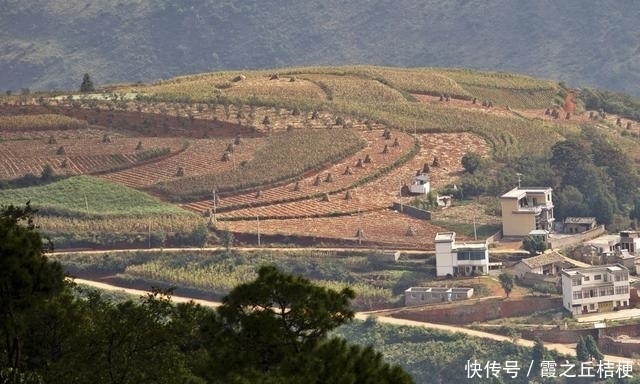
(460,259)
(549,263)
(429,295)
(595,289)
(578,224)
(630,240)
(525,210)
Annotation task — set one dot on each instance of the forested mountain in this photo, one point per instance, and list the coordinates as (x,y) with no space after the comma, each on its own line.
(50,44)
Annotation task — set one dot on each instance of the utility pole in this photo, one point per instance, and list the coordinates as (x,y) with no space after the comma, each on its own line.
(258,221)
(213,191)
(475,233)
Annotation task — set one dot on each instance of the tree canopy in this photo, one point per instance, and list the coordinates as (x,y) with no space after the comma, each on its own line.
(271,330)
(28,279)
(506,281)
(87,84)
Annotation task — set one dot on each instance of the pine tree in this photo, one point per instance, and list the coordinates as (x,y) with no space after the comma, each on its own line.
(537,355)
(582,354)
(592,348)
(87,84)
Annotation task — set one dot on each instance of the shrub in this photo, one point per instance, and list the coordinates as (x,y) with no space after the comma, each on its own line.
(471,162)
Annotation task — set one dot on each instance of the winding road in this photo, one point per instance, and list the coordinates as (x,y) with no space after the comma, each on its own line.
(567,349)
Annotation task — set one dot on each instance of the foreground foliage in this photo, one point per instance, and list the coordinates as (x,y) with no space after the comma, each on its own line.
(273,329)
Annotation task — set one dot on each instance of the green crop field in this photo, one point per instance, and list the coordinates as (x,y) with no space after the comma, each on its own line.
(88,196)
(377,280)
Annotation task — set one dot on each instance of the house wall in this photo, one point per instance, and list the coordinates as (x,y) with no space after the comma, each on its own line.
(521,268)
(412,211)
(568,241)
(425,295)
(517,224)
(444,258)
(576,228)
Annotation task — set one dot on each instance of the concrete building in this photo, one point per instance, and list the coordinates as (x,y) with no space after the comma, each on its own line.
(429,295)
(463,259)
(525,210)
(595,289)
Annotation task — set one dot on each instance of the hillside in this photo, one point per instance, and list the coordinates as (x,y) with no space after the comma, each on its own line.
(50,44)
(319,154)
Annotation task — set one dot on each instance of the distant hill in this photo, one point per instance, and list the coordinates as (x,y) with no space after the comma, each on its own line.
(50,44)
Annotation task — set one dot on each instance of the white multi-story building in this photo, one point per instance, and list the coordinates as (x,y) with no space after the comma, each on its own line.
(601,288)
(464,258)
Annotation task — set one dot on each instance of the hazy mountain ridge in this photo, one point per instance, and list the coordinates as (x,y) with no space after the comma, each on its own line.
(50,44)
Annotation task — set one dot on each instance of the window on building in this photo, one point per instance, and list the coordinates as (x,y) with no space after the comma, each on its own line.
(470,255)
(622,290)
(592,306)
(597,277)
(586,278)
(575,282)
(577,295)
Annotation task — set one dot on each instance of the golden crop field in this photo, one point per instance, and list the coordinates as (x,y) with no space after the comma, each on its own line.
(43,122)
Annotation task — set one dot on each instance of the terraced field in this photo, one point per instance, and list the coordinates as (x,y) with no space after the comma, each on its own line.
(76,155)
(201,157)
(304,136)
(336,178)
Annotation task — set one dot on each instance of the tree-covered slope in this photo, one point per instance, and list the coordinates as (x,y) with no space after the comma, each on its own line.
(50,44)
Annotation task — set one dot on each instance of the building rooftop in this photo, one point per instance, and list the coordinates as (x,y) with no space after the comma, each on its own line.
(604,240)
(579,220)
(594,269)
(442,237)
(539,232)
(517,193)
(471,245)
(440,289)
(544,259)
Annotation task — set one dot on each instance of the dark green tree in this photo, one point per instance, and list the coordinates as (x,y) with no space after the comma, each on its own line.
(27,280)
(199,235)
(87,84)
(506,281)
(569,202)
(227,239)
(603,205)
(582,353)
(534,244)
(537,356)
(275,328)
(128,342)
(634,214)
(592,348)
(471,161)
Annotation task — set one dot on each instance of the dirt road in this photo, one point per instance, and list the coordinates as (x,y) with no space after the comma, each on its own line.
(567,349)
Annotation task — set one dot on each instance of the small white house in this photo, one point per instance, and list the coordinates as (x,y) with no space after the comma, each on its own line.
(463,259)
(420,184)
